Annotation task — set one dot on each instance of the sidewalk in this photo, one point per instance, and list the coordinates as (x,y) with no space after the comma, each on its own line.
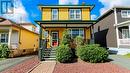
(45,67)
(121,61)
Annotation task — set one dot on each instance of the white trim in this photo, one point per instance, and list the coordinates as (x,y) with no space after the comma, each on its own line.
(75,14)
(9,37)
(56,39)
(117,34)
(124,30)
(122,23)
(4,37)
(127,14)
(54,18)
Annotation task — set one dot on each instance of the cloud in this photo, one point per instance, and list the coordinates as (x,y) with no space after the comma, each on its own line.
(19,15)
(93,17)
(111,3)
(65,2)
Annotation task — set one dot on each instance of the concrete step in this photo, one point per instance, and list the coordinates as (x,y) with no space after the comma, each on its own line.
(49,59)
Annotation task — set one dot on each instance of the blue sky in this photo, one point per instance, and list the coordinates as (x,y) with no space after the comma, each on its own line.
(27,10)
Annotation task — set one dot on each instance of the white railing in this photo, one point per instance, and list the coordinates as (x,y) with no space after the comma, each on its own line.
(14,45)
(124,41)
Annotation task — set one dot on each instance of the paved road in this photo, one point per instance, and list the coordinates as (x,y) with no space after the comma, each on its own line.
(5,64)
(120,61)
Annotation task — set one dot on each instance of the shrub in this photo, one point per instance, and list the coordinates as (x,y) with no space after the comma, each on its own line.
(4,51)
(79,41)
(66,39)
(92,53)
(64,53)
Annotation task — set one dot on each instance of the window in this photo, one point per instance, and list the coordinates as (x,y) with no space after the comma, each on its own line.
(75,14)
(54,14)
(125,33)
(46,34)
(3,38)
(125,13)
(7,7)
(76,32)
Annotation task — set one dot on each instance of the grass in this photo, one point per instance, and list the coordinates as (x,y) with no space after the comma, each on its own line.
(127,55)
(2,59)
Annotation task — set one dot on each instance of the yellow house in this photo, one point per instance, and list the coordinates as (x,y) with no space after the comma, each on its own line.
(20,40)
(57,18)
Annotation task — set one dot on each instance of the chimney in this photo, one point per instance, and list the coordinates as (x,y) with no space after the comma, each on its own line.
(83,3)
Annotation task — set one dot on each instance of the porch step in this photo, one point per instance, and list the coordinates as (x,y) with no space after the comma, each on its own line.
(49,59)
(49,54)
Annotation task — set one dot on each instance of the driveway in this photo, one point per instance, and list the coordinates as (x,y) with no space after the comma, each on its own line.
(8,63)
(120,61)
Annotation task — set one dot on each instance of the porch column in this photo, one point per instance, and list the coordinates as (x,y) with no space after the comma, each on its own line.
(9,37)
(117,35)
(40,44)
(129,30)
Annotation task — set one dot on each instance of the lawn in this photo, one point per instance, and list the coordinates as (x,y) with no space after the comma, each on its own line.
(127,55)
(2,59)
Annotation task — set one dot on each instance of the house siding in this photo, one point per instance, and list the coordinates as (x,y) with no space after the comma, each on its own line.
(119,17)
(63,13)
(105,32)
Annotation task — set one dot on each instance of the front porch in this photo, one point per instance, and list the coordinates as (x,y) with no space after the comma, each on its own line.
(9,36)
(123,36)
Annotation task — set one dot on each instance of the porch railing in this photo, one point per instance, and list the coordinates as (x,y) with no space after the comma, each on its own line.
(14,45)
(124,41)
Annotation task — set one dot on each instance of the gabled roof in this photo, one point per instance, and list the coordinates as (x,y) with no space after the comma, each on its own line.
(111,10)
(7,22)
(66,6)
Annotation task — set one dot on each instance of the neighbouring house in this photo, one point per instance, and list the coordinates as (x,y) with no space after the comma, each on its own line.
(112,29)
(29,26)
(57,18)
(20,40)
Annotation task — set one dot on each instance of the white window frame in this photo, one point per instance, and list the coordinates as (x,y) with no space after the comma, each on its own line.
(79,32)
(53,14)
(75,14)
(127,13)
(6,40)
(125,30)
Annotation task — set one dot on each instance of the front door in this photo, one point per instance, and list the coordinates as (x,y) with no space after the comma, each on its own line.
(55,38)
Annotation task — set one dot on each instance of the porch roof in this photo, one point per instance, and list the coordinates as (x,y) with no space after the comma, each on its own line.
(67,6)
(125,23)
(66,23)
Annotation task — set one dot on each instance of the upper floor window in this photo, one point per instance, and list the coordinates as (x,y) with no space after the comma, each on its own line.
(75,14)
(54,14)
(125,13)
(6,6)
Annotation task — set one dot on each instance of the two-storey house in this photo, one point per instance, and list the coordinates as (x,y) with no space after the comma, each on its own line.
(112,29)
(57,18)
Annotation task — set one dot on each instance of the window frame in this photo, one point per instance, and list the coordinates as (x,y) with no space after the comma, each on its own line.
(127,14)
(57,14)
(6,38)
(75,14)
(79,30)
(128,36)
(5,6)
